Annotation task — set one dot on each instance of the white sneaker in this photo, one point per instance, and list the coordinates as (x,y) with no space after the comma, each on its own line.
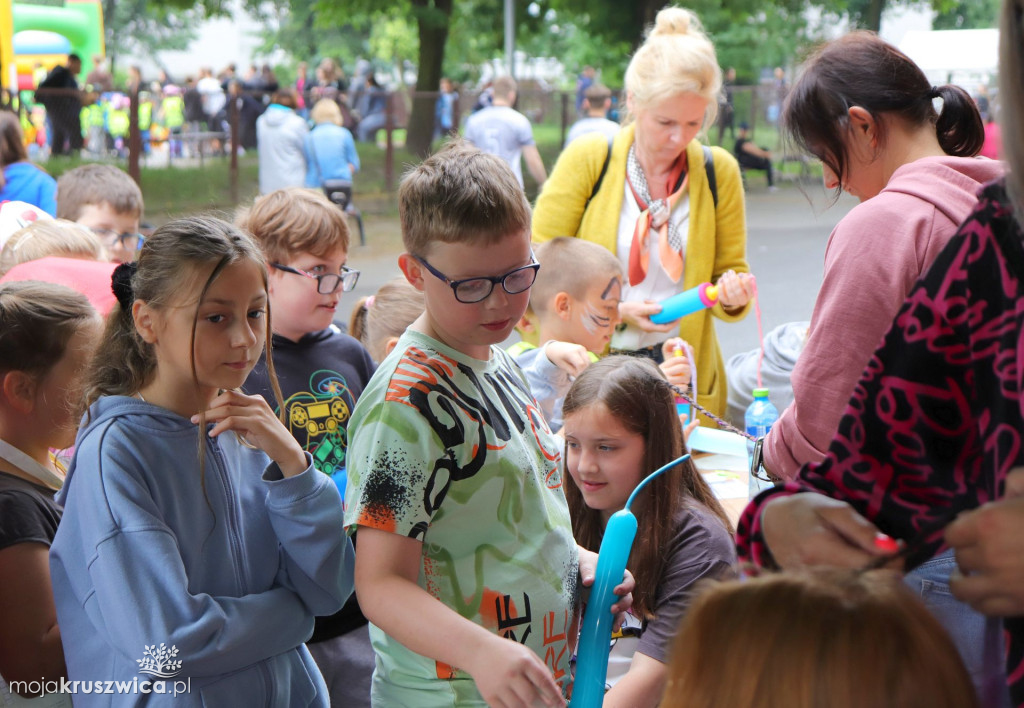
(773,188)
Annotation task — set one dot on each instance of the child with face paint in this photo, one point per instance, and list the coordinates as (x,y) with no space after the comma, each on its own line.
(575,302)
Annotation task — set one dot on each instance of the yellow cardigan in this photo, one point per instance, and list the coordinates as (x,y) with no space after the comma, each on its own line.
(717,238)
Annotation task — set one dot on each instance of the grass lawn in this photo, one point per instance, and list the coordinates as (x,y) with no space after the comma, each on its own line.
(180,190)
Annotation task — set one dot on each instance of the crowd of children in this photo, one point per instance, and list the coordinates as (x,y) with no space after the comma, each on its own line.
(218,497)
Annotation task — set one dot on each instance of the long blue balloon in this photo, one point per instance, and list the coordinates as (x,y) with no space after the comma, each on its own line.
(596,637)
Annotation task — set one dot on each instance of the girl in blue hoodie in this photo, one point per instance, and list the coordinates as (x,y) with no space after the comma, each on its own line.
(198,541)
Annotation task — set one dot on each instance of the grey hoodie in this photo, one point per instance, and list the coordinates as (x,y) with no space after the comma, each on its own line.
(280,139)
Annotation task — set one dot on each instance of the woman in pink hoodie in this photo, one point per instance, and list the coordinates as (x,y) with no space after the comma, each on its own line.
(866,111)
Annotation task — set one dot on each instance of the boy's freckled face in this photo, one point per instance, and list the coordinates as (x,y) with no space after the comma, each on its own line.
(104,219)
(297,307)
(592,319)
(473,328)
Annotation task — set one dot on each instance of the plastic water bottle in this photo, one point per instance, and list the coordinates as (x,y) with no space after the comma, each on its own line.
(760,417)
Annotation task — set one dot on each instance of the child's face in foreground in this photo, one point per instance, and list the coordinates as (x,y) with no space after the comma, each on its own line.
(592,318)
(117,231)
(604,458)
(472,328)
(60,390)
(297,305)
(230,331)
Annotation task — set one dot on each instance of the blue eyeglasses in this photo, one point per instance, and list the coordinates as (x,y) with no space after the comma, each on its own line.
(471,290)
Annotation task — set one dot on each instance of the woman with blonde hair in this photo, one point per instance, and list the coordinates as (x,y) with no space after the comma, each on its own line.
(670,209)
(811,639)
(330,149)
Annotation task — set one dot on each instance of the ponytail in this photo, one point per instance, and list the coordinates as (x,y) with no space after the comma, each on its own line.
(357,322)
(124,362)
(959,128)
(860,69)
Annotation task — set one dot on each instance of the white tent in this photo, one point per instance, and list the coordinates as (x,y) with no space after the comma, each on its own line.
(962,57)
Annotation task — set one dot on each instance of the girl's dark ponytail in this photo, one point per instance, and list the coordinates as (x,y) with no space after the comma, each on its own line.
(124,363)
(959,128)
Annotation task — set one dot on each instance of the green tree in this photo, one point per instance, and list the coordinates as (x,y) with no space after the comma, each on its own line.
(432,18)
(146,28)
(300,30)
(748,34)
(867,14)
(969,14)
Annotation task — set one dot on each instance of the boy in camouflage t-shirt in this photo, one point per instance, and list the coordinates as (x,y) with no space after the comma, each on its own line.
(466,568)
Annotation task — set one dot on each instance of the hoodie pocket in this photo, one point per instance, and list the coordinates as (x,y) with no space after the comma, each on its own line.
(282,680)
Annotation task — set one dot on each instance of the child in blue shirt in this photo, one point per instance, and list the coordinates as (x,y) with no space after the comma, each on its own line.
(198,541)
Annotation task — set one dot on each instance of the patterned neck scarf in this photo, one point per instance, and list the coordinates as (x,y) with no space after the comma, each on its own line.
(655,216)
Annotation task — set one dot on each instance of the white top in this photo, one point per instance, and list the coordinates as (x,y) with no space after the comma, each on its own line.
(501,131)
(592,125)
(657,286)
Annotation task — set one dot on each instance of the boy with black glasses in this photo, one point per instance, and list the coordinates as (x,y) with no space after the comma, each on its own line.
(467,567)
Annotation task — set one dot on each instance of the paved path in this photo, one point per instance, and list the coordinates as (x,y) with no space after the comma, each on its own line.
(786,238)
(786,246)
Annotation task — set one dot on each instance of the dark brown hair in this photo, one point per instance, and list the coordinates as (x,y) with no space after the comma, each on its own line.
(12,142)
(285,97)
(814,638)
(860,69)
(636,393)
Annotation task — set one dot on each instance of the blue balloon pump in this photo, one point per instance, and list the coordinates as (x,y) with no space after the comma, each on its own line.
(596,637)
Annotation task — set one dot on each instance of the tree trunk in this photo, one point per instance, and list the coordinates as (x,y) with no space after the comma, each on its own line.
(308,25)
(872,18)
(433,19)
(109,7)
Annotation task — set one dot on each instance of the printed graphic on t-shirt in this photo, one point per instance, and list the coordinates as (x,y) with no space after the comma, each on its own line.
(461,458)
(317,419)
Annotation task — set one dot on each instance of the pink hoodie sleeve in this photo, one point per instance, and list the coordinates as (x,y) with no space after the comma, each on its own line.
(874,256)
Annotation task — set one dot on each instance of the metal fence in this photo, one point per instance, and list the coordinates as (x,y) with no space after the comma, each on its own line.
(136,129)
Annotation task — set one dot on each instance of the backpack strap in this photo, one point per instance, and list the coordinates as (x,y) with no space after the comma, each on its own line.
(600,177)
(709,168)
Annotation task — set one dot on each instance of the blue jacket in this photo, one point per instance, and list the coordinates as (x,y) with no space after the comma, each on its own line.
(227,566)
(329,151)
(24,182)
